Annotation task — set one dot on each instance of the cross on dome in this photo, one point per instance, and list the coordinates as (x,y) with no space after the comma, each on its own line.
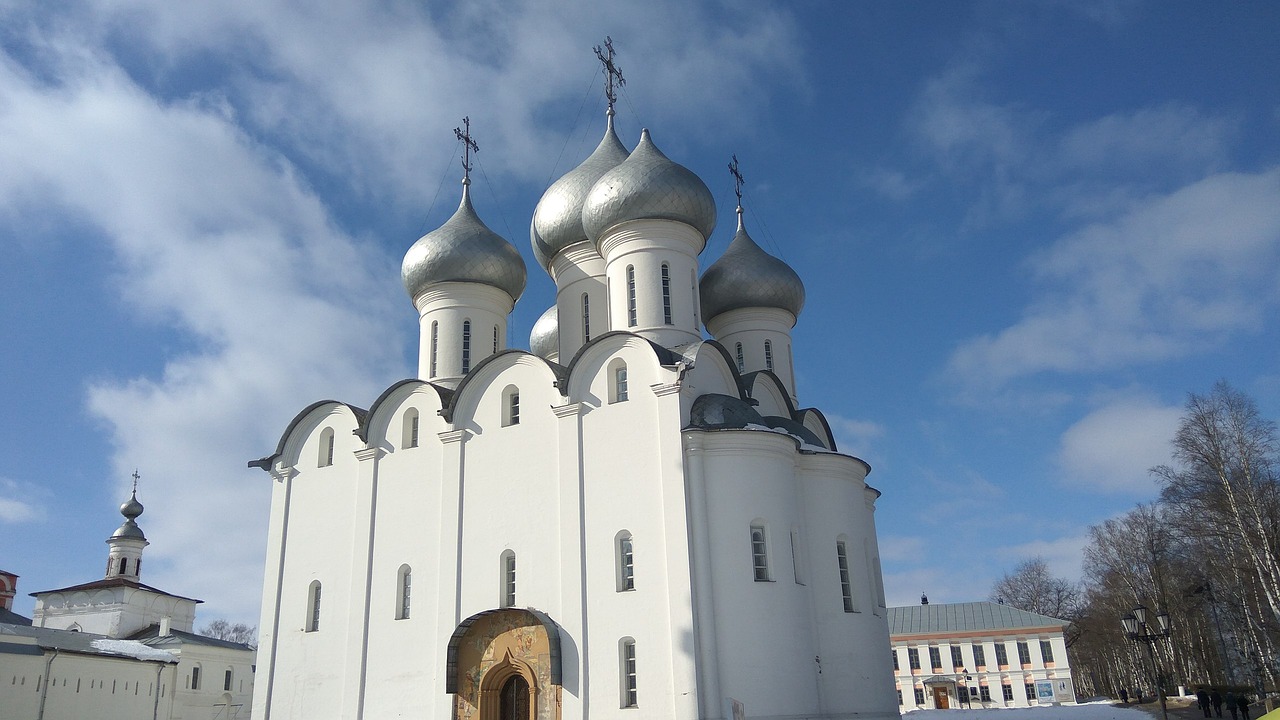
(612,73)
(468,146)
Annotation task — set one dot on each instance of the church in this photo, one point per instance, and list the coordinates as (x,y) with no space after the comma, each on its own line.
(630,520)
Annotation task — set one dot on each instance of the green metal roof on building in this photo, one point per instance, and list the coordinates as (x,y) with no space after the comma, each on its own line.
(972,617)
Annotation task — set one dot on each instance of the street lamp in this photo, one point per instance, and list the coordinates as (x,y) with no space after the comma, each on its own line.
(968,685)
(1137,630)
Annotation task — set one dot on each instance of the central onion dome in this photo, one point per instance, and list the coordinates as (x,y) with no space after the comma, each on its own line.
(747,276)
(544,339)
(464,249)
(648,185)
(557,220)
(130,509)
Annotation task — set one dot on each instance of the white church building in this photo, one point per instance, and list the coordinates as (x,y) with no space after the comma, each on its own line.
(629,521)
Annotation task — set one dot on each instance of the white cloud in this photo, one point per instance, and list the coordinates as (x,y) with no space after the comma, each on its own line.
(1062,555)
(901,548)
(16,502)
(1112,448)
(855,437)
(1176,273)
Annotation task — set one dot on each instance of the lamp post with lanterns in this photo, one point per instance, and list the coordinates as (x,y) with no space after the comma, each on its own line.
(1137,630)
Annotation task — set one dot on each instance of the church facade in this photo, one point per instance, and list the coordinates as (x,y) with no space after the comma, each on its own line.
(629,520)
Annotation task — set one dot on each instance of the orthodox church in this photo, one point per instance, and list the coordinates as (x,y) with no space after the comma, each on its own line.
(628,521)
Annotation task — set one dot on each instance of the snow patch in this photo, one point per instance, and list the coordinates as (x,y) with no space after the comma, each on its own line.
(133,649)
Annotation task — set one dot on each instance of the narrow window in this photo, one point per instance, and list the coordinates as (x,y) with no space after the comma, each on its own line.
(513,406)
(124,565)
(195,679)
(899,696)
(435,343)
(409,433)
(631,296)
(626,562)
(693,293)
(326,448)
(846,588)
(913,658)
(226,679)
(1046,651)
(984,693)
(466,346)
(508,579)
(666,294)
(1007,690)
(403,586)
(313,612)
(1002,657)
(979,657)
(495,339)
(628,667)
(957,659)
(795,557)
(768,355)
(1030,690)
(920,696)
(586,318)
(620,383)
(1024,653)
(741,365)
(935,658)
(895,667)
(759,554)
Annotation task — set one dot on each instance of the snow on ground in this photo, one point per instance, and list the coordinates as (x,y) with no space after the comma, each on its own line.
(1103,710)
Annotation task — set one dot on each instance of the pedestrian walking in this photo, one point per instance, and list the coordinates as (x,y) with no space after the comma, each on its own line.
(1243,702)
(1231,705)
(1124,696)
(1202,699)
(1215,699)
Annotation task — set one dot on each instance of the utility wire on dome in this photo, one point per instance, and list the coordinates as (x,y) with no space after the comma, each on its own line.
(569,137)
(439,186)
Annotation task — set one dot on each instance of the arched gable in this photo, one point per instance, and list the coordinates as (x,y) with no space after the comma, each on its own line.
(487,373)
(501,619)
(586,381)
(708,370)
(770,395)
(305,423)
(813,419)
(428,398)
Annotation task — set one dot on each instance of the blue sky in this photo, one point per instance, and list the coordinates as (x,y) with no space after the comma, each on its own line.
(1026,230)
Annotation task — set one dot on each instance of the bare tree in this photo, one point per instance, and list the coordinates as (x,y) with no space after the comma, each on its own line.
(239,632)
(1033,588)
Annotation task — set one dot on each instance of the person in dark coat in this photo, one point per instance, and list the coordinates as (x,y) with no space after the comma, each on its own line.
(1202,699)
(1124,696)
(1231,705)
(1243,702)
(1215,699)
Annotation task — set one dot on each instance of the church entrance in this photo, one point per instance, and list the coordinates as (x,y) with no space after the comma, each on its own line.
(505,665)
(514,701)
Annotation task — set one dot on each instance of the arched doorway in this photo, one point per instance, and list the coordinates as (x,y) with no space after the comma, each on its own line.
(505,665)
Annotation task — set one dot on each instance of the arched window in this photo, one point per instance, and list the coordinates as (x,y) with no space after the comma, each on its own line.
(404,581)
(846,588)
(618,387)
(124,565)
(313,607)
(511,406)
(759,552)
(768,355)
(495,339)
(195,678)
(326,448)
(586,318)
(631,296)
(409,432)
(627,671)
(738,351)
(435,343)
(624,554)
(508,565)
(466,346)
(693,293)
(666,294)
(226,679)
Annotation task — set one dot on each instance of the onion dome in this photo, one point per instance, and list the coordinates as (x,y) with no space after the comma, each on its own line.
(746,276)
(647,185)
(544,339)
(557,220)
(464,249)
(130,509)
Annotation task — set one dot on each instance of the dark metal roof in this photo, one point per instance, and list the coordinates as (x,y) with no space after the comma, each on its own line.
(84,643)
(965,617)
(13,618)
(150,635)
(112,582)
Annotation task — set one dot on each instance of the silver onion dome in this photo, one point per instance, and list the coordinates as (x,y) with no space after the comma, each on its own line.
(131,508)
(544,339)
(557,220)
(464,249)
(648,185)
(746,276)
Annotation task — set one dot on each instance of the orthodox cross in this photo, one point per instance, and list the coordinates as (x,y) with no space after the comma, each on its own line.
(612,73)
(737,180)
(135,481)
(468,146)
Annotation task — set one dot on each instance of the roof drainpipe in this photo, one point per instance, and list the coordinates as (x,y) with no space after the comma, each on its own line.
(155,706)
(44,690)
